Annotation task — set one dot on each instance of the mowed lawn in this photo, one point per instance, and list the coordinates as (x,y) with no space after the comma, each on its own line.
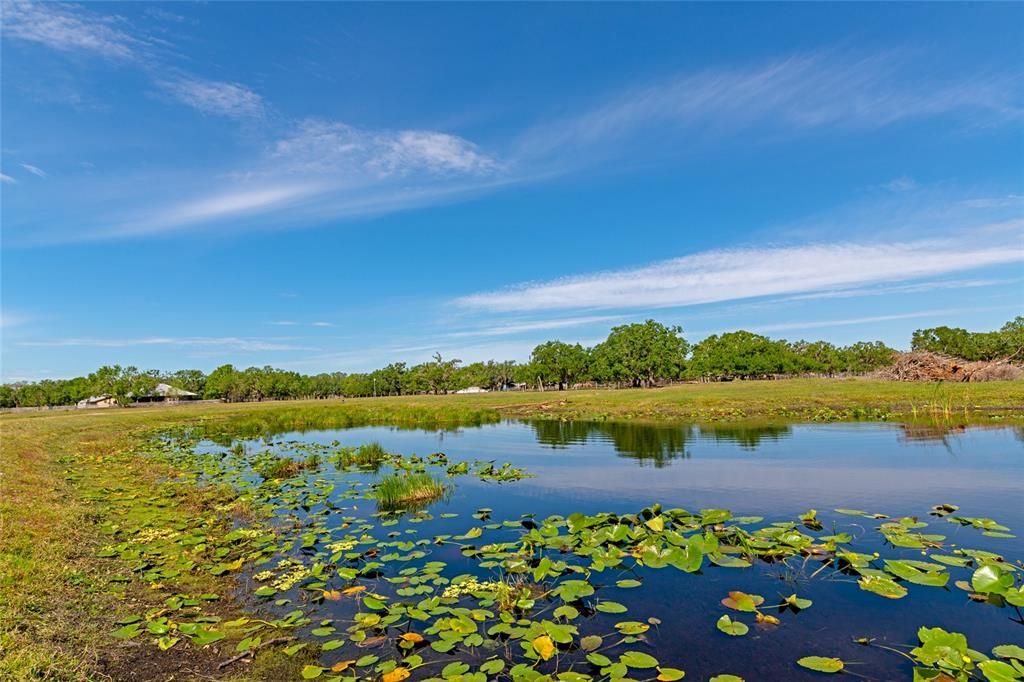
(57,468)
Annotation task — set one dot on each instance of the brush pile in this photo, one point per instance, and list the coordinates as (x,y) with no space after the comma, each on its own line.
(928,366)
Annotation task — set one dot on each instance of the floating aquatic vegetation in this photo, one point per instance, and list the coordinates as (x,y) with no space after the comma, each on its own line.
(547,599)
(285,467)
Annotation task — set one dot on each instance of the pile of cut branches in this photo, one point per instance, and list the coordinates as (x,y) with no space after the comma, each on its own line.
(928,366)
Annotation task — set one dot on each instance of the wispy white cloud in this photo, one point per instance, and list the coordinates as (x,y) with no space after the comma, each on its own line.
(34,170)
(916,288)
(73,28)
(995,202)
(799,93)
(227,205)
(214,97)
(732,274)
(232,342)
(328,170)
(332,147)
(937,313)
(293,323)
(68,28)
(7,179)
(900,184)
(361,171)
(9,319)
(506,329)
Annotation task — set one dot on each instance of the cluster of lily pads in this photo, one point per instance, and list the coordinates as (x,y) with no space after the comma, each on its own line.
(371,601)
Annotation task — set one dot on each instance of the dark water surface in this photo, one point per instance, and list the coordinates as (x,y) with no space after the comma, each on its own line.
(774,472)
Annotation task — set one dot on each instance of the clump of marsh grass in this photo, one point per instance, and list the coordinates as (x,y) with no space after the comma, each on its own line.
(286,467)
(366,456)
(406,490)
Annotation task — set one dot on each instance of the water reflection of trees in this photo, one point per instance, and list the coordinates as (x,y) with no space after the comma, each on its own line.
(747,437)
(945,434)
(266,425)
(657,445)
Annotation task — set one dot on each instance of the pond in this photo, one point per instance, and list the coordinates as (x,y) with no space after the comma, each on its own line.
(631,580)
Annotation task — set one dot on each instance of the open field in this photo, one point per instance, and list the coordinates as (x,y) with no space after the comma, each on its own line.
(798,399)
(68,476)
(791,399)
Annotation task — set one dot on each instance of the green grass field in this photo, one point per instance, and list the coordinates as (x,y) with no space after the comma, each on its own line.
(68,474)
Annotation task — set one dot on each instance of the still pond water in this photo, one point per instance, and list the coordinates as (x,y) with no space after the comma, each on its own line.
(778,473)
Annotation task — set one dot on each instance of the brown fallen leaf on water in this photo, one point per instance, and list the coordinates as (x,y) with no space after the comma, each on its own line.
(342,666)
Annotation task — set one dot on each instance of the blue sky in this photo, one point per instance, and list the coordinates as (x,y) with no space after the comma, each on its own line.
(329,187)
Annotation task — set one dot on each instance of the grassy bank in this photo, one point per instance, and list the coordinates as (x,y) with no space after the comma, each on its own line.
(69,479)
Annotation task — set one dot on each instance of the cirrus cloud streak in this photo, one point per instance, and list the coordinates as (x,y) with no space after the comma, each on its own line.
(733,274)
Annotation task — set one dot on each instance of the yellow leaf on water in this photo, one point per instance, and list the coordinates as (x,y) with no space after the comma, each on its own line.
(413,637)
(544,646)
(333,595)
(396,675)
(354,590)
(341,666)
(770,620)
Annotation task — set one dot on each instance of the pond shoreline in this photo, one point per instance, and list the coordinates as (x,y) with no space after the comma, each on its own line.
(59,469)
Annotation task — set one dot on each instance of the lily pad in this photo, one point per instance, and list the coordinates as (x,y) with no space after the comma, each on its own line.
(732,627)
(821,664)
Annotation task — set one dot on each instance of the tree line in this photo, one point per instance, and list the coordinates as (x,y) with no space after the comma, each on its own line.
(639,355)
(1006,342)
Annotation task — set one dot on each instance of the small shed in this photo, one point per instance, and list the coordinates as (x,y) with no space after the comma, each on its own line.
(165,393)
(96,401)
(472,389)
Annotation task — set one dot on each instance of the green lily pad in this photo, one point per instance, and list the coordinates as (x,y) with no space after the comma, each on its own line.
(638,659)
(821,664)
(732,627)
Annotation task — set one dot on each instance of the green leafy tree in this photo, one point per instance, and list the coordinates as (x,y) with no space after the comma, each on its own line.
(816,357)
(441,373)
(957,342)
(124,384)
(741,354)
(1011,339)
(954,341)
(391,378)
(221,383)
(559,363)
(641,353)
(501,374)
(416,379)
(193,380)
(865,356)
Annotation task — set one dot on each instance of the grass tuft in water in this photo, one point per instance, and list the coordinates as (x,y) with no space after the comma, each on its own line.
(286,467)
(366,456)
(408,489)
